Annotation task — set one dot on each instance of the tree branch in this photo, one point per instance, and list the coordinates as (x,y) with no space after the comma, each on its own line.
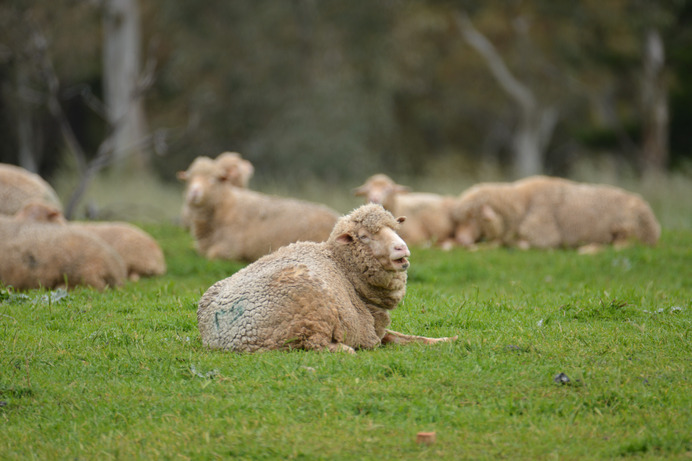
(504,77)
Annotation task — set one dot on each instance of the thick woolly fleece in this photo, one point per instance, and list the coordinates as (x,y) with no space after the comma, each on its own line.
(49,255)
(19,186)
(307,295)
(141,253)
(545,212)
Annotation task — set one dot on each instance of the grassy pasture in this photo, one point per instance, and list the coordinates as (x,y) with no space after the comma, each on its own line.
(123,375)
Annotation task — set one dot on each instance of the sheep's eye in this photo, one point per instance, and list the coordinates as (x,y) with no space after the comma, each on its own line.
(364,238)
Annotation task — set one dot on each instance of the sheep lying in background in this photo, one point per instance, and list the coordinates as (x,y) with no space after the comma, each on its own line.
(142,255)
(335,295)
(428,216)
(235,170)
(38,254)
(545,212)
(240,224)
(19,186)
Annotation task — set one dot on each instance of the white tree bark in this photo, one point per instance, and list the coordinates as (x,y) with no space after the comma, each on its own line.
(121,72)
(536,124)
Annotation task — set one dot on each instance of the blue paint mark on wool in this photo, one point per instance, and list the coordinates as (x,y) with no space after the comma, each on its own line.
(228,316)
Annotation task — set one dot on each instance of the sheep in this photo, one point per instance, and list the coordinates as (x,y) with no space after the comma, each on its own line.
(334,295)
(19,186)
(142,255)
(236,170)
(240,224)
(548,212)
(39,254)
(428,216)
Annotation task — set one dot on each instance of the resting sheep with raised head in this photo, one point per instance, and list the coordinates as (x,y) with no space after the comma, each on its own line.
(547,212)
(43,254)
(428,216)
(19,186)
(141,253)
(239,224)
(335,295)
(232,165)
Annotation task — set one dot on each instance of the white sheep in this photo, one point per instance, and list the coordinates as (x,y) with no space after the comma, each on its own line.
(235,170)
(240,224)
(39,254)
(547,212)
(142,255)
(19,186)
(335,295)
(428,216)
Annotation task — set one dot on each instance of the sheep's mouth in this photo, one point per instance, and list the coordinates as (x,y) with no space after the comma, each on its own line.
(401,262)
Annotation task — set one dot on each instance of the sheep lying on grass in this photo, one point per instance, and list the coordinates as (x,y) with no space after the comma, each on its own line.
(428,216)
(236,171)
(19,186)
(239,224)
(545,212)
(38,254)
(142,255)
(335,295)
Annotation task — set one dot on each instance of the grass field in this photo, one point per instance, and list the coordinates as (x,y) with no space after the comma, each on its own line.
(123,374)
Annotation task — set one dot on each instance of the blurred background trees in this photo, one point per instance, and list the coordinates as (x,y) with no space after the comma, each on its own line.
(338,90)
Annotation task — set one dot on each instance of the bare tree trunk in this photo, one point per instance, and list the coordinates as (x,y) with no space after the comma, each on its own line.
(25,127)
(536,124)
(121,71)
(654,105)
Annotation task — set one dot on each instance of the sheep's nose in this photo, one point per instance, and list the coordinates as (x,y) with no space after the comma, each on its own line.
(401,247)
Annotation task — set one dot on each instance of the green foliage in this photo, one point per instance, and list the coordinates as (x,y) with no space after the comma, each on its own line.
(342,89)
(123,374)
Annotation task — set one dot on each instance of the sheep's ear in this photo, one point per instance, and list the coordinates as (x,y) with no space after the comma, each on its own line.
(247,169)
(401,219)
(402,189)
(488,213)
(345,239)
(182,175)
(360,191)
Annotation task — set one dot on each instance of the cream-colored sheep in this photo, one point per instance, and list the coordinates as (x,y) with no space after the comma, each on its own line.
(142,255)
(547,212)
(335,295)
(237,169)
(240,224)
(428,216)
(19,186)
(38,254)
(234,170)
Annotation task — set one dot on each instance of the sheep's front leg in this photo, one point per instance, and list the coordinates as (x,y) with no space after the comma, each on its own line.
(394,337)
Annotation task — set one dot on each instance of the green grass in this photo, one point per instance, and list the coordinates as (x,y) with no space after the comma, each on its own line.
(123,374)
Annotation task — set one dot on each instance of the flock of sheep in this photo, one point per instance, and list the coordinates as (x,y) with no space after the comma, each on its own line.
(316,281)
(40,248)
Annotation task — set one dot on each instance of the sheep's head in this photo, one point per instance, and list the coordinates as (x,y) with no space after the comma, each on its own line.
(38,211)
(476,223)
(380,189)
(370,231)
(203,175)
(238,171)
